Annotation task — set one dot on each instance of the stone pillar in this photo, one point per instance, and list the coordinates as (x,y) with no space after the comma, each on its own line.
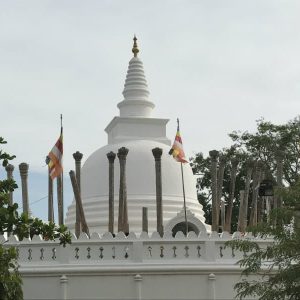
(261,201)
(23,167)
(241,219)
(260,209)
(211,286)
(234,165)
(78,200)
(9,170)
(256,181)
(157,153)
(222,162)
(111,158)
(214,189)
(223,215)
(268,207)
(279,156)
(145,220)
(50,198)
(60,199)
(123,212)
(249,166)
(78,157)
(297,216)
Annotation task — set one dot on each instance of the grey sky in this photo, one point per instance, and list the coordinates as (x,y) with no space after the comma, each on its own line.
(217,65)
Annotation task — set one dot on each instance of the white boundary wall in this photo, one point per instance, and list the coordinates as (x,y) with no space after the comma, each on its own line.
(103,267)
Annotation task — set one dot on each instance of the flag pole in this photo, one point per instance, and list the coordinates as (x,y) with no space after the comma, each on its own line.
(60,193)
(178,154)
(184,202)
(62,172)
(183,190)
(50,193)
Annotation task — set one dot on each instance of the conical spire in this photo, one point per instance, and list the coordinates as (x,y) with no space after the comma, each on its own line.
(136,102)
(135,49)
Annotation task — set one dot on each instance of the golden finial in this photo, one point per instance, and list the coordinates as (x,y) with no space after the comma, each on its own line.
(135,49)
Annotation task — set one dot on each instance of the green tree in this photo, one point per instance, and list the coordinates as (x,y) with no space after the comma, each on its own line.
(263,144)
(11,222)
(278,264)
(260,145)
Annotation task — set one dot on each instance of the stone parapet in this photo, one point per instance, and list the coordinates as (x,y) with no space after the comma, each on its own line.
(106,250)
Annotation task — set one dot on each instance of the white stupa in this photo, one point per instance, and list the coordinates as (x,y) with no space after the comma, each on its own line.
(138,265)
(138,131)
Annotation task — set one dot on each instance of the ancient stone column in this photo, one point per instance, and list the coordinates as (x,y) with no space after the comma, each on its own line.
(268,207)
(214,189)
(241,223)
(60,199)
(111,158)
(279,156)
(123,211)
(145,220)
(222,214)
(249,166)
(23,167)
(50,198)
(260,208)
(157,153)
(261,200)
(256,181)
(78,157)
(9,170)
(297,216)
(222,162)
(234,165)
(78,200)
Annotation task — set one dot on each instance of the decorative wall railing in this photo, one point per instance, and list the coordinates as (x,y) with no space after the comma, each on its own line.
(107,249)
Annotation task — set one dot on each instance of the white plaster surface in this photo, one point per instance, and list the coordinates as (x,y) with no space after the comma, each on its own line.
(136,130)
(140,187)
(146,267)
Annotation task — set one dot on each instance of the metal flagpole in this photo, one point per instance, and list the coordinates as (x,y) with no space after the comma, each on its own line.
(62,173)
(179,156)
(184,202)
(60,193)
(50,194)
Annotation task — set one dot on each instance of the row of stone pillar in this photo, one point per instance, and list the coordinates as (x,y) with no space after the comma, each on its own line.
(23,168)
(60,198)
(255,173)
(217,176)
(76,182)
(123,224)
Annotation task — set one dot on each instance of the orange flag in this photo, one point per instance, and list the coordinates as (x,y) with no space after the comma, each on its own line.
(54,159)
(177,148)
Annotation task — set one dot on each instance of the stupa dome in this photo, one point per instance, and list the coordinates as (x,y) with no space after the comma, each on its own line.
(140,177)
(136,130)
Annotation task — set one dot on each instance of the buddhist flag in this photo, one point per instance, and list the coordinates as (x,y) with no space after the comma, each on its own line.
(177,148)
(54,158)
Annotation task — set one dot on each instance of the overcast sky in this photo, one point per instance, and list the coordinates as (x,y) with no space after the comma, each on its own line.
(217,65)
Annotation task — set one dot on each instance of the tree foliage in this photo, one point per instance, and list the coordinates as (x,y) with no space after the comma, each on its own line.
(23,226)
(278,264)
(263,144)
(260,145)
